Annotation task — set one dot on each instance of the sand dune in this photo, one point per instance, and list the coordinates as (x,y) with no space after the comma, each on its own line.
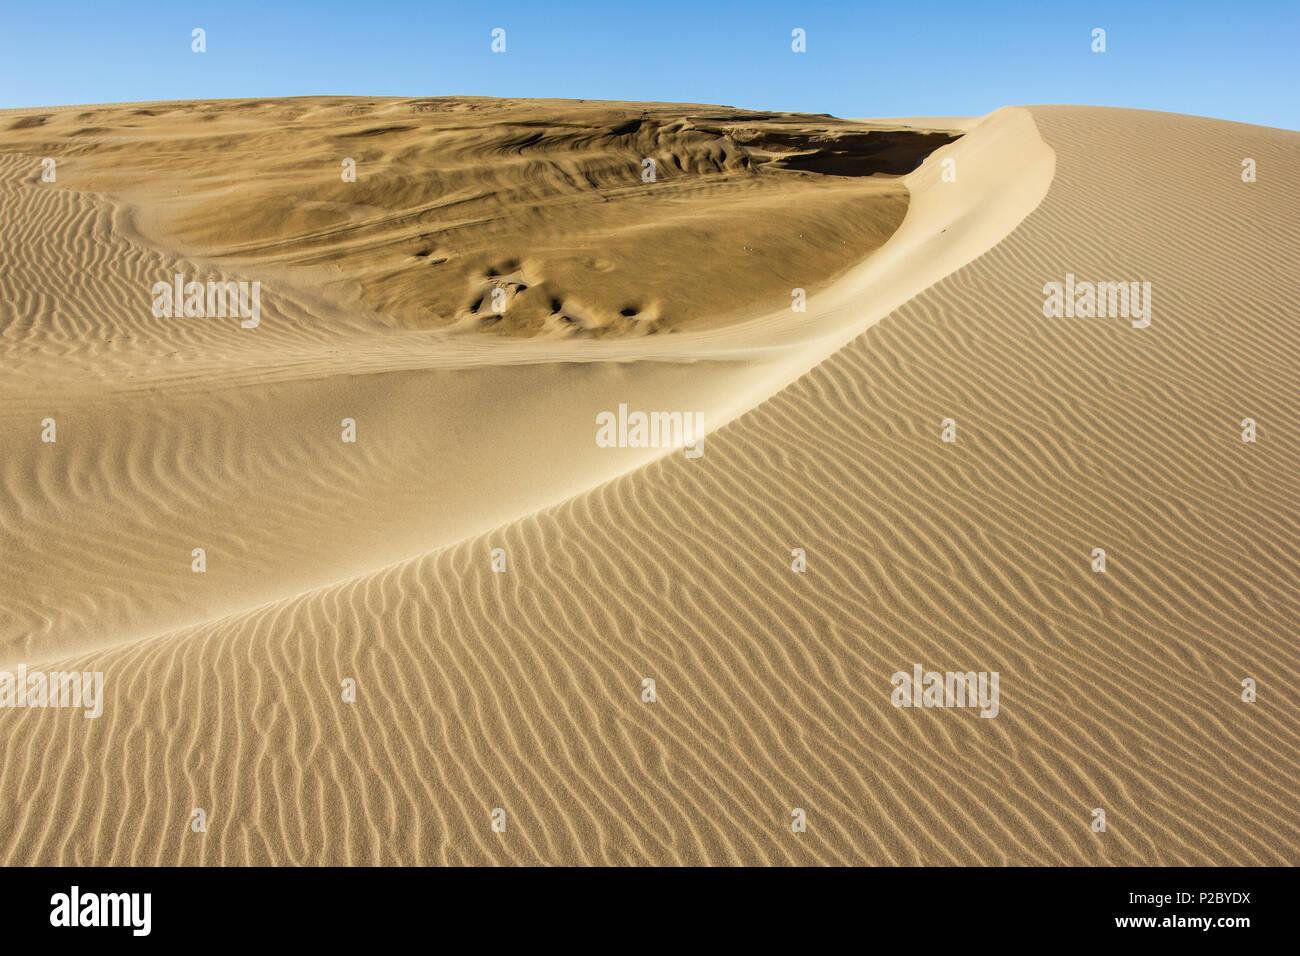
(523,691)
(452,197)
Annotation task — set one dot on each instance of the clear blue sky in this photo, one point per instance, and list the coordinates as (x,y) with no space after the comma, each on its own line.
(902,58)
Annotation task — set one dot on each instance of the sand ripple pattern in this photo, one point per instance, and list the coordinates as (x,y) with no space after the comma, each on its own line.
(522,690)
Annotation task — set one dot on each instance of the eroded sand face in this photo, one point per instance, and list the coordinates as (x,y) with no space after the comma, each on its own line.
(415,211)
(477,689)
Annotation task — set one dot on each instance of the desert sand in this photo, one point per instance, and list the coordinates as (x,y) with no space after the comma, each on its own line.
(330,562)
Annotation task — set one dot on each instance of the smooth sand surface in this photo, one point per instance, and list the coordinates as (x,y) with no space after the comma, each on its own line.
(477,690)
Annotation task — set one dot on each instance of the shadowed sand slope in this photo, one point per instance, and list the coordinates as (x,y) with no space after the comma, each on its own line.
(418,210)
(523,690)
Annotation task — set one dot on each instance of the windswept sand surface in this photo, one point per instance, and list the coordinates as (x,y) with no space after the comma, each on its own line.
(372,561)
(453,197)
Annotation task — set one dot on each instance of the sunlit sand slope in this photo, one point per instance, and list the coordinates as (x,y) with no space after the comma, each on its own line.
(522,690)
